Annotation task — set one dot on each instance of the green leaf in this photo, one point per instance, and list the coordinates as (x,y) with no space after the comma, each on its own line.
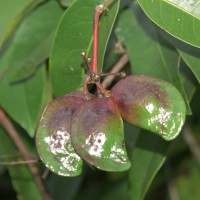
(22,179)
(97,135)
(159,60)
(25,100)
(32,41)
(74,35)
(66,3)
(64,188)
(148,156)
(177,17)
(190,54)
(11,13)
(187,183)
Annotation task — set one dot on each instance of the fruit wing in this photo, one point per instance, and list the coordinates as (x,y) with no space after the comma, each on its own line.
(97,135)
(53,137)
(150,103)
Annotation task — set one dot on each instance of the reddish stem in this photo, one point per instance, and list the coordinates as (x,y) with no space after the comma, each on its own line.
(97,13)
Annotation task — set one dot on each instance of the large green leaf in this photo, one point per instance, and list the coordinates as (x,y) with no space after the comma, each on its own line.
(25,100)
(11,14)
(190,54)
(159,60)
(148,156)
(179,18)
(187,183)
(22,179)
(74,35)
(32,41)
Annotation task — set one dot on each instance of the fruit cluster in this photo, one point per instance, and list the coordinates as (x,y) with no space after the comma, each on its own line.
(78,126)
(81,125)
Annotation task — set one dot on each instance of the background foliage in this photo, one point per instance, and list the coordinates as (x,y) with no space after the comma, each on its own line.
(40,46)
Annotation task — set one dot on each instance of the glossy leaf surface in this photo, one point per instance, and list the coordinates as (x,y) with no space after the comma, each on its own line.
(75,35)
(150,103)
(97,135)
(53,136)
(179,18)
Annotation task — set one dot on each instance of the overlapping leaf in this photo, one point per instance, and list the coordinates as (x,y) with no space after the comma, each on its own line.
(32,41)
(74,35)
(180,18)
(11,14)
(22,180)
(159,60)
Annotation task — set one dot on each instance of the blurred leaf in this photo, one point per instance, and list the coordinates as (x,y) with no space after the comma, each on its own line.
(74,35)
(179,18)
(63,188)
(66,3)
(187,181)
(32,41)
(159,60)
(119,191)
(22,180)
(148,156)
(24,101)
(11,13)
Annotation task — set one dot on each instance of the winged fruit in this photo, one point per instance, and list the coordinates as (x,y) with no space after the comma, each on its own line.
(53,135)
(150,103)
(97,135)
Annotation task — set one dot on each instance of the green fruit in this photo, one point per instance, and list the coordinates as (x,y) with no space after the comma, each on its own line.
(150,103)
(97,135)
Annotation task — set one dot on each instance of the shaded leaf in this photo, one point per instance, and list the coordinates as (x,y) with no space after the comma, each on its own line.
(22,180)
(97,135)
(187,182)
(74,35)
(148,156)
(32,41)
(177,17)
(25,100)
(159,60)
(66,3)
(64,188)
(11,14)
(190,54)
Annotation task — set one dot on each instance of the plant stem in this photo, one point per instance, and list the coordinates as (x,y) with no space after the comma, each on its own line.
(97,14)
(22,162)
(8,126)
(117,68)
